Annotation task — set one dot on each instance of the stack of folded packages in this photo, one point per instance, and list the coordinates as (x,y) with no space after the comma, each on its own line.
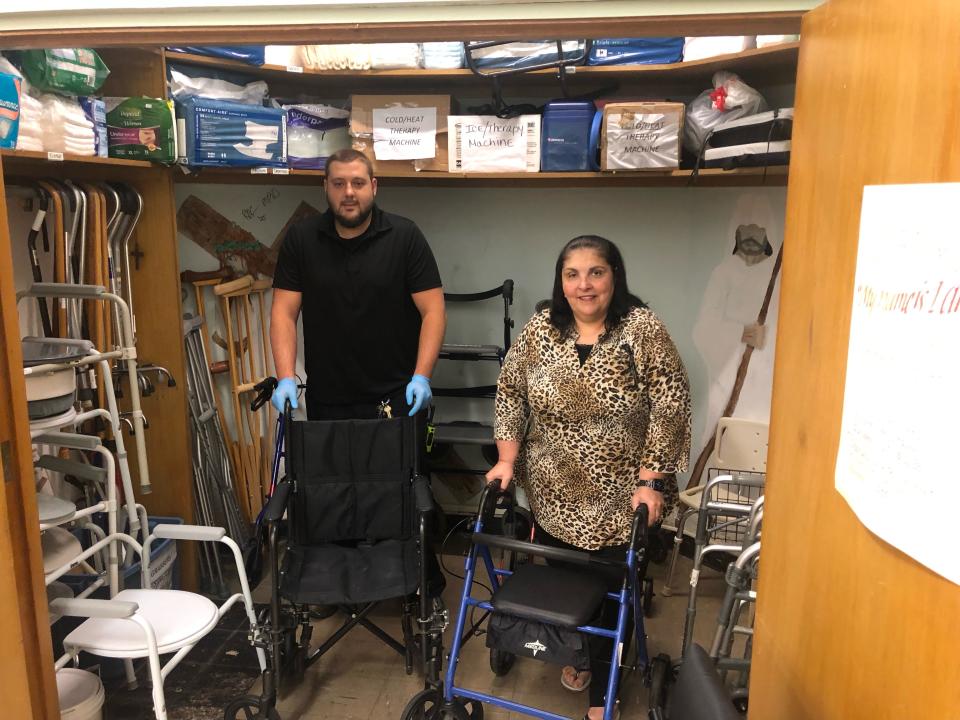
(443,55)
(336,57)
(66,127)
(30,136)
(395,56)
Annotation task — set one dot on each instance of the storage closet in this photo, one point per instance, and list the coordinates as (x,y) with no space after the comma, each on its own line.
(142,71)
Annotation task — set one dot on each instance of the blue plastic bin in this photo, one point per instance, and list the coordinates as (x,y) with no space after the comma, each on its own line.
(565,138)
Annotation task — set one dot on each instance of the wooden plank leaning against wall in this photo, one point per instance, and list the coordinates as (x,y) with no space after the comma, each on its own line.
(849,627)
(26,670)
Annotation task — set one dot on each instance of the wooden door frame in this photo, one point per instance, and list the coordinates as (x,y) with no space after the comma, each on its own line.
(27,681)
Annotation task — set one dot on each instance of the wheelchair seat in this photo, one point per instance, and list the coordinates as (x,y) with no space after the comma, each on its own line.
(551,594)
(334,574)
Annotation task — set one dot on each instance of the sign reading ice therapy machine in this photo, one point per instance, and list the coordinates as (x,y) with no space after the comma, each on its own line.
(899,431)
(402,133)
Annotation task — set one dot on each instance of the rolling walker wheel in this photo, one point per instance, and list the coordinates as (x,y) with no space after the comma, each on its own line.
(648,597)
(659,675)
(428,705)
(501,661)
(249,708)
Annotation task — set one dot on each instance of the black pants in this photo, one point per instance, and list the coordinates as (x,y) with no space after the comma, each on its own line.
(371,411)
(601,648)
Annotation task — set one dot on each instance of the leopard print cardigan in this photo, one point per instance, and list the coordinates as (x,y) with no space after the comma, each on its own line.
(586,432)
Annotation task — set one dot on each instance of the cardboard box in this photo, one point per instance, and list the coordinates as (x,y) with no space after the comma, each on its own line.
(489,144)
(361,129)
(641,136)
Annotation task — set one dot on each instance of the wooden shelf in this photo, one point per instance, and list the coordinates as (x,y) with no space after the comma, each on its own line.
(33,157)
(774,176)
(777,63)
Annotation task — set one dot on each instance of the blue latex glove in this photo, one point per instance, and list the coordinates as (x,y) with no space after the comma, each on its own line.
(418,393)
(286,390)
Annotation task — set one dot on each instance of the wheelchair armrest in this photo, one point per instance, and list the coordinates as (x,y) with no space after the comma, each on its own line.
(277,504)
(422,495)
(111,609)
(201,533)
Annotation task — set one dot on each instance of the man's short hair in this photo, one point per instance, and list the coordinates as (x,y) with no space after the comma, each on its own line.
(349,155)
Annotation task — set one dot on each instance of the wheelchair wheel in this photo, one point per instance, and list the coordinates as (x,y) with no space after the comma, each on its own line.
(647,597)
(428,705)
(250,708)
(659,675)
(501,661)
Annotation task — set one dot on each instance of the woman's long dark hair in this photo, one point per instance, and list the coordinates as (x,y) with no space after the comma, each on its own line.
(561,316)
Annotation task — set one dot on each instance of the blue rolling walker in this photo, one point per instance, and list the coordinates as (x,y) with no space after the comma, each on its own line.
(543,612)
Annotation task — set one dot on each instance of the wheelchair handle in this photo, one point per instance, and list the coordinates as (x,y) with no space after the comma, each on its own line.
(264,390)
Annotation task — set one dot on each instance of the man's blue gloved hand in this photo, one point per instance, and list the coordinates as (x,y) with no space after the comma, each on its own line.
(418,393)
(286,390)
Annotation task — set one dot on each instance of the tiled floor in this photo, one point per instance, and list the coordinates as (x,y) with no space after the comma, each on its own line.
(362,679)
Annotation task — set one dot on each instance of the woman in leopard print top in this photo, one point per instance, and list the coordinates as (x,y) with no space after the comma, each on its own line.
(592,413)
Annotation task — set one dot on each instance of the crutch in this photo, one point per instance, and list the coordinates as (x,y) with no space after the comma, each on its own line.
(212,461)
(244,456)
(259,290)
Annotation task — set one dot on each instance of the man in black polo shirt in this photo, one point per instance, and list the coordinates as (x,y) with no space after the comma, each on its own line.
(372,303)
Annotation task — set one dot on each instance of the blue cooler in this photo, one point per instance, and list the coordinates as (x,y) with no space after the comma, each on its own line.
(566,136)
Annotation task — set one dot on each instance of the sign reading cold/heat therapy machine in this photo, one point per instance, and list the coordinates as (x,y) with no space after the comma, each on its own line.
(403,133)
(896,465)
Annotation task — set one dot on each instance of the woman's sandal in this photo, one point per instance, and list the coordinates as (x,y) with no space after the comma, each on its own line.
(577,674)
(616,712)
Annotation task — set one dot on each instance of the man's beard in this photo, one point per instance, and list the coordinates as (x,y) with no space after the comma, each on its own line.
(353,222)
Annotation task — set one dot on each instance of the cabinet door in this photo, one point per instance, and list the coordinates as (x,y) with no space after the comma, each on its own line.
(26,664)
(848,626)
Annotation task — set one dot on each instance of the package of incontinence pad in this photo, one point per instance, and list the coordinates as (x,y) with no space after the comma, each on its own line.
(95,111)
(314,133)
(220,133)
(10,109)
(141,128)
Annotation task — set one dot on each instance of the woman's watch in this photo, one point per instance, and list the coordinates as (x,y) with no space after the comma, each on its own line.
(655,484)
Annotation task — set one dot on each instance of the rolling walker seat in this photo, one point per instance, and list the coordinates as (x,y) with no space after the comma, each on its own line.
(357,515)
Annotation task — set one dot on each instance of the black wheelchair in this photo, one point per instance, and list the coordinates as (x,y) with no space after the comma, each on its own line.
(358,516)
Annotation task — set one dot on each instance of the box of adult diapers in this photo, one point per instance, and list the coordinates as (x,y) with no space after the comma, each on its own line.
(141,128)
(220,133)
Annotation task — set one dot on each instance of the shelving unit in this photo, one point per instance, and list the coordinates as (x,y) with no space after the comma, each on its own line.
(776,175)
(776,63)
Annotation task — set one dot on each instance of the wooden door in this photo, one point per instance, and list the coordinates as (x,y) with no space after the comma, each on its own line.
(27,685)
(849,627)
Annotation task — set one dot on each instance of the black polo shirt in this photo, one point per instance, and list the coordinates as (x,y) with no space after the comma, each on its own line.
(361,328)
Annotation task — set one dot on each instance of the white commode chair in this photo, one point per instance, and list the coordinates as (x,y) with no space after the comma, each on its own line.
(148,623)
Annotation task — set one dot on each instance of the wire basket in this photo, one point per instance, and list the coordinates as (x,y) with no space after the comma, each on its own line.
(729,526)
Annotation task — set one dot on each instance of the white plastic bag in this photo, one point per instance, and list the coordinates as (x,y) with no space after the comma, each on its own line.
(729,99)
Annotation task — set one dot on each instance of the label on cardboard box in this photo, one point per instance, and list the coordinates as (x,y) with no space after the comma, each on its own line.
(404,133)
(485,143)
(636,140)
